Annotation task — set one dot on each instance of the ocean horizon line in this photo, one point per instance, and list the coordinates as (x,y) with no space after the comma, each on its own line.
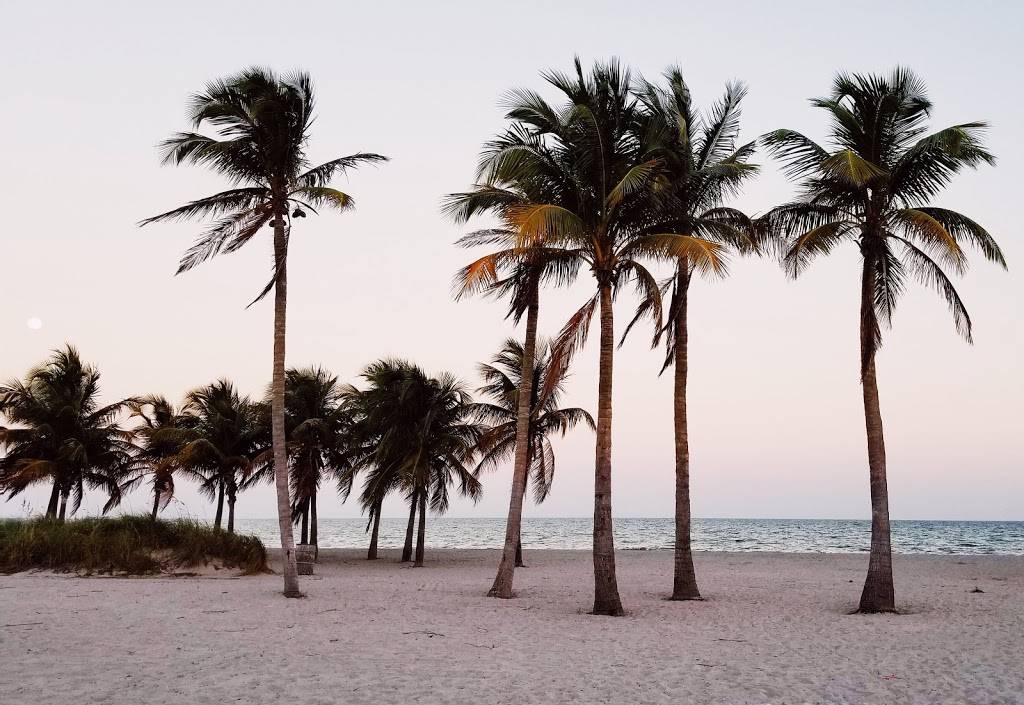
(659,518)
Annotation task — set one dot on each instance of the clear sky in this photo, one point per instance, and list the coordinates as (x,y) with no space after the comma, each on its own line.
(776,416)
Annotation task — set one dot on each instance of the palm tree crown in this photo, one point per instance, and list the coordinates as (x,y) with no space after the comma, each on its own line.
(501,384)
(62,434)
(872,185)
(701,167)
(263,121)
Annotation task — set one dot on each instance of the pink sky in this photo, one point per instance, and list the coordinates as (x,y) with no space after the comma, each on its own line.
(776,416)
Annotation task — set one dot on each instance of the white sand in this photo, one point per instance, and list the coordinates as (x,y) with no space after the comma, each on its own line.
(774,629)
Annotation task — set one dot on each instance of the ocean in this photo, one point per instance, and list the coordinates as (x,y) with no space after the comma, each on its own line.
(784,535)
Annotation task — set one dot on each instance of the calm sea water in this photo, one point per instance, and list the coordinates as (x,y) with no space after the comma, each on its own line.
(787,535)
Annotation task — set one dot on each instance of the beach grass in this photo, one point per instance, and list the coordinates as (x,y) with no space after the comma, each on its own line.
(133,545)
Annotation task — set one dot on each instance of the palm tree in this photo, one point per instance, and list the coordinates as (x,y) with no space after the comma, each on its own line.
(373,410)
(516,269)
(873,185)
(503,385)
(319,433)
(263,122)
(62,435)
(162,433)
(590,148)
(701,168)
(228,441)
(425,440)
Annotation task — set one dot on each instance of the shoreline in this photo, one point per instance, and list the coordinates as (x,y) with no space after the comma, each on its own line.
(351,554)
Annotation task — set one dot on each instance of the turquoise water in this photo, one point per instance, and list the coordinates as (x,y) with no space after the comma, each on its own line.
(786,535)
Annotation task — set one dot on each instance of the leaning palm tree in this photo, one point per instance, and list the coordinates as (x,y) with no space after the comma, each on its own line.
(872,185)
(701,168)
(503,386)
(161,434)
(593,151)
(229,437)
(515,269)
(263,122)
(61,434)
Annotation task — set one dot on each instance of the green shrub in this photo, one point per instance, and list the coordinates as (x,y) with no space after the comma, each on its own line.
(135,545)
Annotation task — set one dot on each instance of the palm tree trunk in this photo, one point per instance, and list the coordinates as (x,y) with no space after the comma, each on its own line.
(878,594)
(156,503)
(684,582)
(304,514)
(220,506)
(519,553)
(231,509)
(63,505)
(51,506)
(407,549)
(606,590)
(371,554)
(511,555)
(312,524)
(284,510)
(422,533)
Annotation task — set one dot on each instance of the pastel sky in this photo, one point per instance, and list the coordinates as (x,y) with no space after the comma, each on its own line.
(776,416)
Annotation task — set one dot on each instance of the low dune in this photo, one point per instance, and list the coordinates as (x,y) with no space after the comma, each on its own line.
(774,628)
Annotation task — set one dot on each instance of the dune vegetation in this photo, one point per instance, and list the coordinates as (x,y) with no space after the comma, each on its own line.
(133,545)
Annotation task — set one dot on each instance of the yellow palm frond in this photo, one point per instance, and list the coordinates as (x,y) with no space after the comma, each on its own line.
(850,167)
(543,223)
(928,231)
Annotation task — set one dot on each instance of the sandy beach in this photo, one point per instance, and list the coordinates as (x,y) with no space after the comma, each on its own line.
(775,628)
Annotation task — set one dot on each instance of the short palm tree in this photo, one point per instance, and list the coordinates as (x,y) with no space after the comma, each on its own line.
(229,439)
(319,433)
(498,442)
(872,186)
(263,122)
(701,167)
(425,440)
(373,410)
(595,154)
(161,434)
(62,435)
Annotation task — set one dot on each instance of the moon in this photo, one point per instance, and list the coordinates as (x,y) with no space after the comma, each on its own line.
(34,323)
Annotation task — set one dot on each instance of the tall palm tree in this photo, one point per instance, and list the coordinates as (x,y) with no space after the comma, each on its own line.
(425,440)
(263,121)
(61,434)
(872,185)
(503,385)
(516,269)
(161,434)
(594,153)
(229,438)
(701,168)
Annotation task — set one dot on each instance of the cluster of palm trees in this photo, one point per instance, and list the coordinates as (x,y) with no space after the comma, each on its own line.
(404,431)
(617,175)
